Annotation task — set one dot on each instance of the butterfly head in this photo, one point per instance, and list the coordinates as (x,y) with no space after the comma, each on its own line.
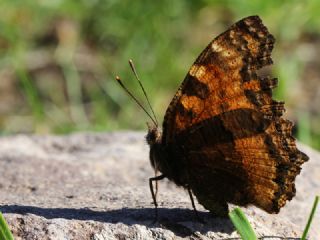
(154,135)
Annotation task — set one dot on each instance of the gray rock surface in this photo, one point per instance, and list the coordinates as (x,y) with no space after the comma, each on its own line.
(95,186)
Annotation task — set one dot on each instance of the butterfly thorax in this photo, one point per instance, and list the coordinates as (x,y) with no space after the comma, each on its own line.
(154,138)
(163,159)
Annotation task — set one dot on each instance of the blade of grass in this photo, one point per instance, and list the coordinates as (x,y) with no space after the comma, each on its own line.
(304,129)
(73,82)
(5,232)
(313,210)
(31,93)
(242,224)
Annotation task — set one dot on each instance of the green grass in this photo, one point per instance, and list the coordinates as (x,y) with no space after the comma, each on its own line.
(311,216)
(242,224)
(62,57)
(246,231)
(5,233)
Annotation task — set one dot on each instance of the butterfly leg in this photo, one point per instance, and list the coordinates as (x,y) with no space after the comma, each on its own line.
(194,206)
(153,194)
(156,192)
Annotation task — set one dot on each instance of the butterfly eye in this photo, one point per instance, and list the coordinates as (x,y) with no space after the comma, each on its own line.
(150,137)
(153,135)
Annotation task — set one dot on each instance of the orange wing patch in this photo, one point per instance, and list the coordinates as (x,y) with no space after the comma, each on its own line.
(223,78)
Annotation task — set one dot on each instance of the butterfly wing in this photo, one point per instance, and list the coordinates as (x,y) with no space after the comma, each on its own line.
(236,145)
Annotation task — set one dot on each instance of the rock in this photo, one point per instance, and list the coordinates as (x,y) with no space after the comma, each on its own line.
(95,186)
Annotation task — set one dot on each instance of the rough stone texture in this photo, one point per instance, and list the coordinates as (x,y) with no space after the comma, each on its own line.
(95,186)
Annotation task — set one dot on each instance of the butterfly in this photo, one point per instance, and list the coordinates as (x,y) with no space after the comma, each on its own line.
(224,138)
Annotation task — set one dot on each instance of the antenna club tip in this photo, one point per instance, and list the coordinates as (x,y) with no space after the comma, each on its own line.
(117,78)
(130,61)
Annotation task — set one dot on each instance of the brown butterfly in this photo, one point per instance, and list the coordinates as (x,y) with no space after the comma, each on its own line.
(223,137)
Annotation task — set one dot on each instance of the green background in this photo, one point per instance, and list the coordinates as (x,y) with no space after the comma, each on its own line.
(58,59)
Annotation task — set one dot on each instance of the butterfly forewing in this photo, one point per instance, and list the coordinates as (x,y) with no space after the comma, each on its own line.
(225,129)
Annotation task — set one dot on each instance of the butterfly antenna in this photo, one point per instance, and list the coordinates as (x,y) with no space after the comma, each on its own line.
(135,99)
(144,92)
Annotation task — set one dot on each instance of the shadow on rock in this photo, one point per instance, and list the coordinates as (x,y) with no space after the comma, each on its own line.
(180,221)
